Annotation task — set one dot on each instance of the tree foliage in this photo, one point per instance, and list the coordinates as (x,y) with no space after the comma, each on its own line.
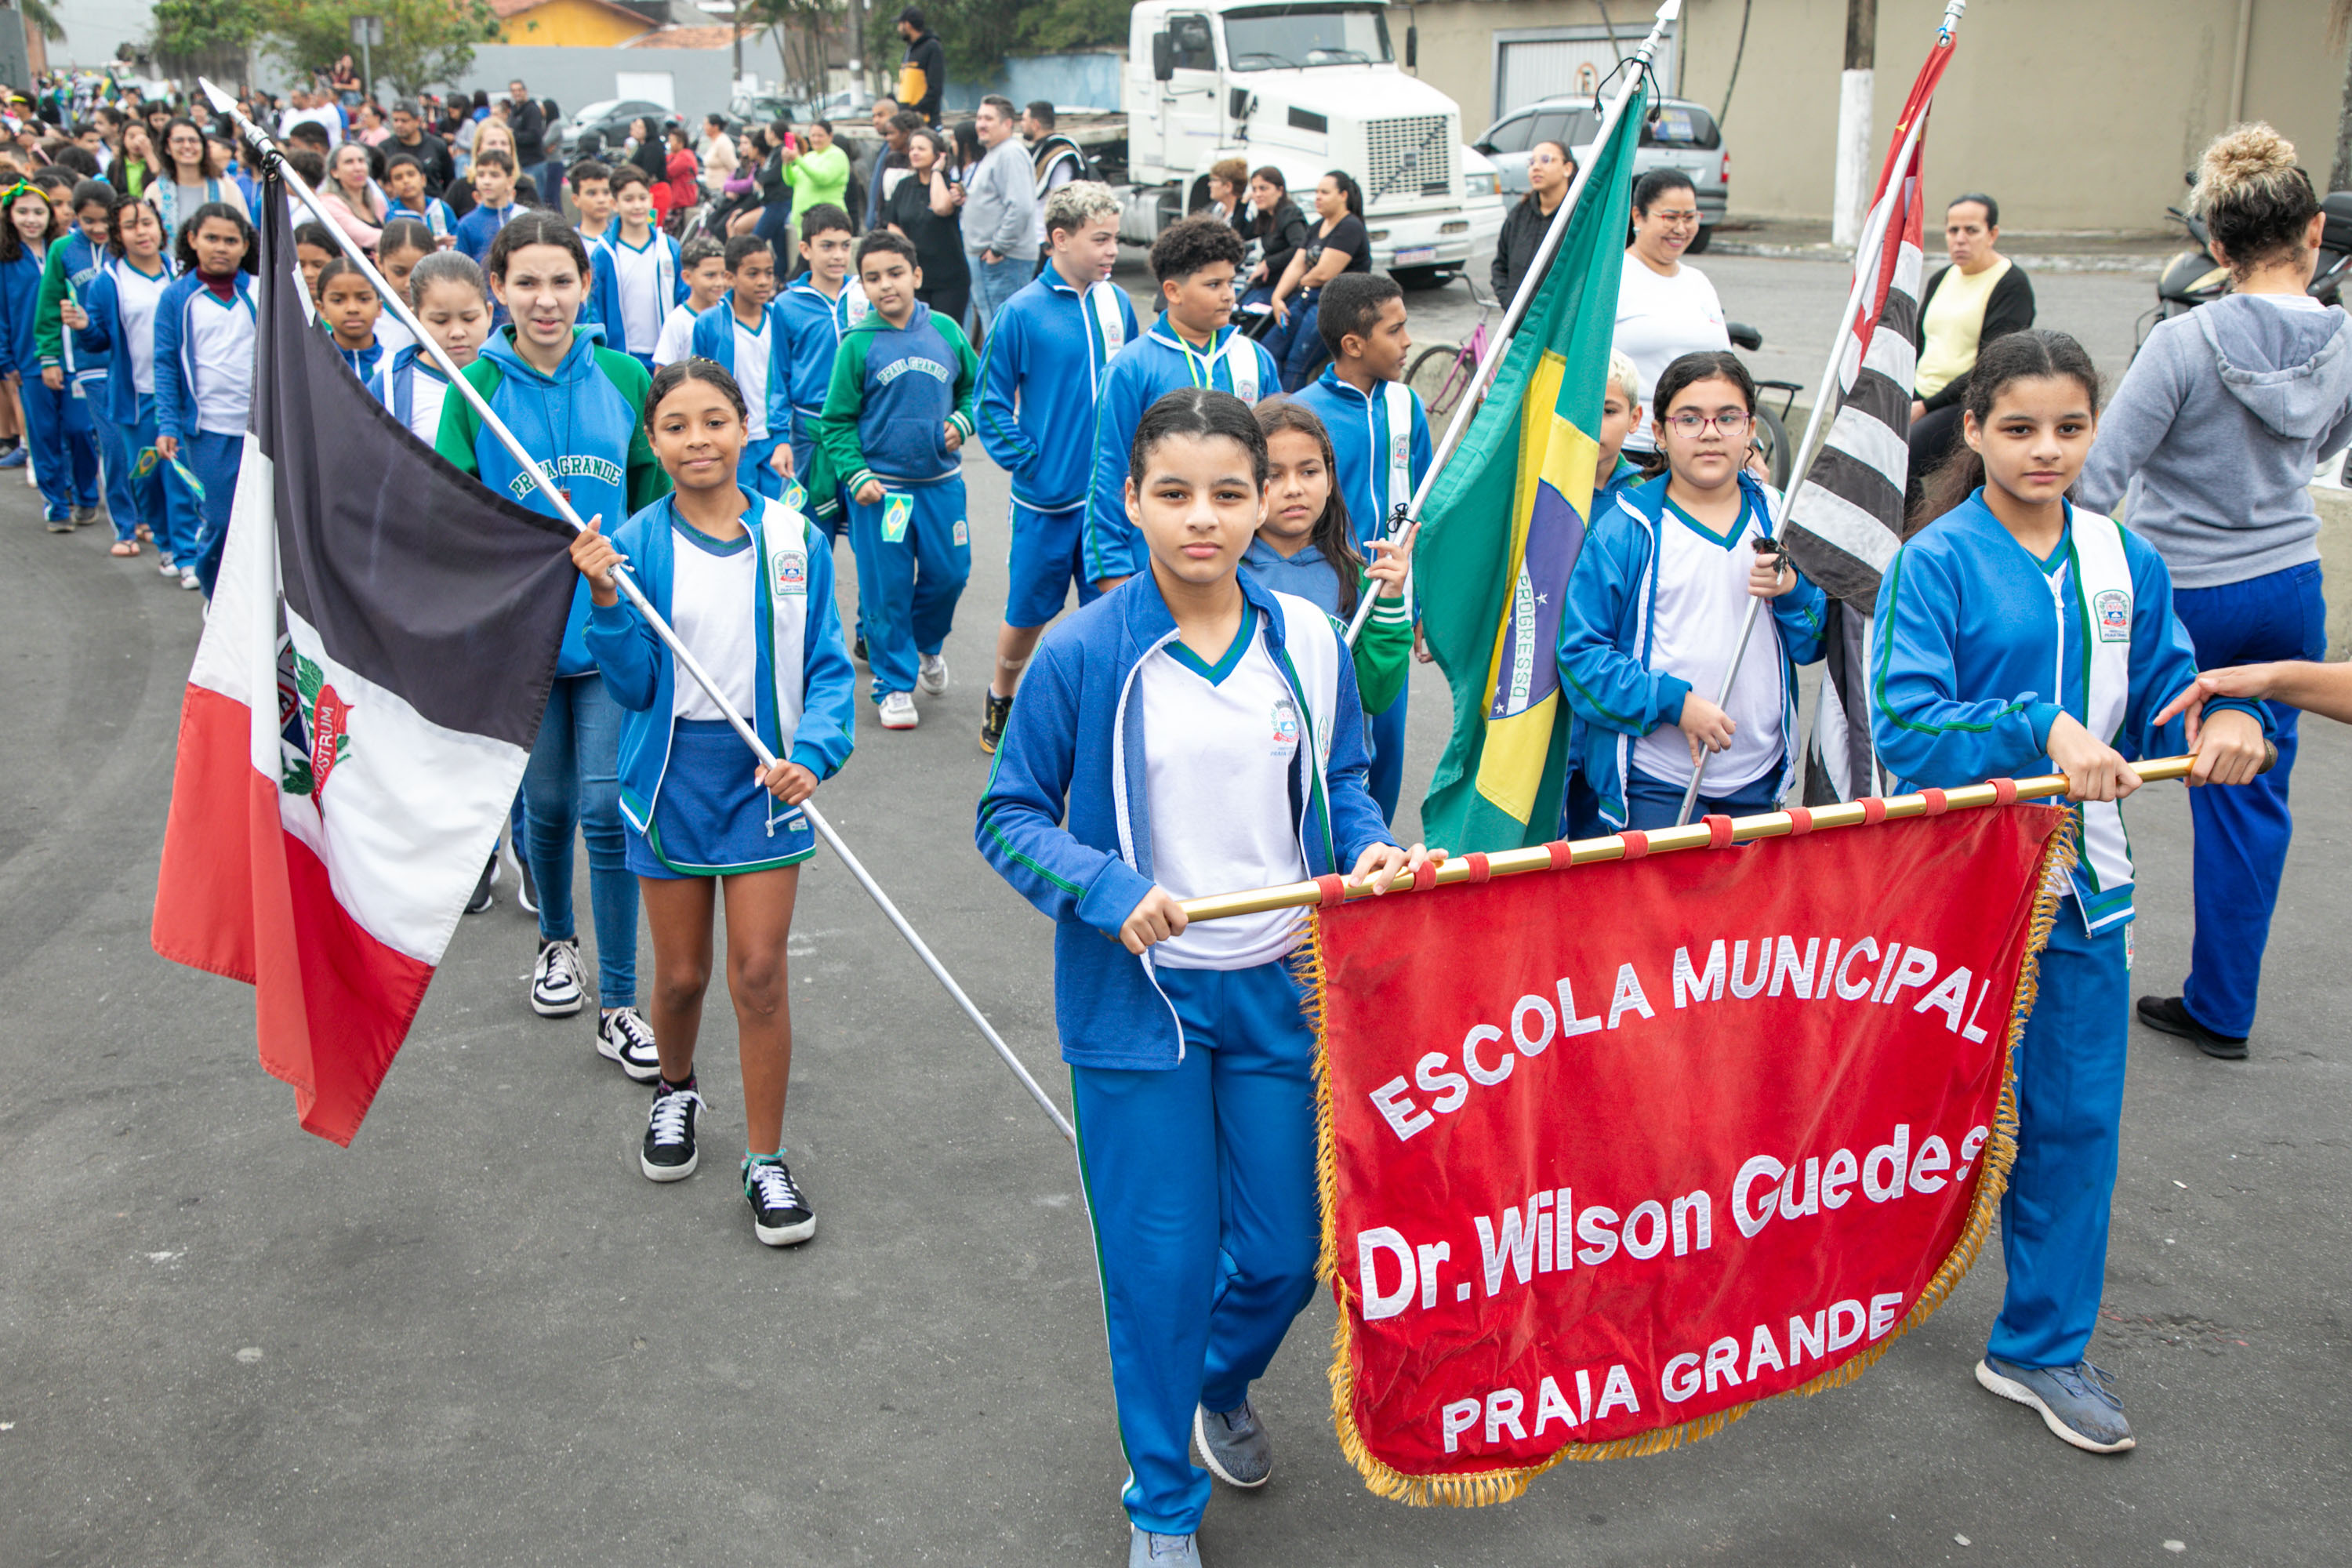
(424,41)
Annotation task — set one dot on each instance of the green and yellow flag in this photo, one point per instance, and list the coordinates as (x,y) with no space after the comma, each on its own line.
(1504,525)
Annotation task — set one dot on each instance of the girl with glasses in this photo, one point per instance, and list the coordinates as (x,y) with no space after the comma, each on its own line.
(1655,606)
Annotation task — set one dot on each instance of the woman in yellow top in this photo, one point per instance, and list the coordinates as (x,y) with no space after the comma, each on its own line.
(1982,296)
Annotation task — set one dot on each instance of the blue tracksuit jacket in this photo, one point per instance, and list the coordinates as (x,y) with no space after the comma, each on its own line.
(83,263)
(641,674)
(1062,788)
(1966,650)
(893,394)
(1605,639)
(20,293)
(177,374)
(478,228)
(1144,372)
(603,306)
(814,326)
(119,401)
(714,339)
(1359,446)
(1036,413)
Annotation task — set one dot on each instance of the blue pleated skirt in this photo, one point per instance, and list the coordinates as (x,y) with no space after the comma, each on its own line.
(710,819)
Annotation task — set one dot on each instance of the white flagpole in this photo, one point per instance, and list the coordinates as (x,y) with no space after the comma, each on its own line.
(1500,344)
(1831,392)
(274,162)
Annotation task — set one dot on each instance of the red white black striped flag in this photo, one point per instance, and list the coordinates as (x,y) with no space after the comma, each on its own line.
(1846,519)
(378,649)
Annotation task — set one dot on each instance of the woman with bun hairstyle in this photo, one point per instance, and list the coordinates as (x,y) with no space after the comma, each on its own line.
(2210,443)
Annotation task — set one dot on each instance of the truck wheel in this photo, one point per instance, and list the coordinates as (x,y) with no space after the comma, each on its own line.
(1697,246)
(1415,279)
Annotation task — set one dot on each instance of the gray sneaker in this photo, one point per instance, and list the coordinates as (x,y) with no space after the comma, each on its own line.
(1235,1444)
(1147,1550)
(2075,1401)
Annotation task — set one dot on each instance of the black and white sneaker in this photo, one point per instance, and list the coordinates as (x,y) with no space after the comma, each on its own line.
(555,988)
(623,1036)
(857,647)
(995,713)
(781,1216)
(669,1154)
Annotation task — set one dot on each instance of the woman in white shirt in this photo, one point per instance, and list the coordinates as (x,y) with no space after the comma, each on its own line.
(719,157)
(1666,308)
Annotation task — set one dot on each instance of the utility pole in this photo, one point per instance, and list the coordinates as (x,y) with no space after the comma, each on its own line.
(1854,84)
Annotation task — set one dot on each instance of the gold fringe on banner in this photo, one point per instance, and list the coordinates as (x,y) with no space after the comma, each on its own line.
(1486,1487)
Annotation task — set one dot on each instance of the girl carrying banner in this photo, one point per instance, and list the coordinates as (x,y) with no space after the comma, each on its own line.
(578,407)
(117,318)
(1655,602)
(747,582)
(2017,635)
(203,383)
(1140,767)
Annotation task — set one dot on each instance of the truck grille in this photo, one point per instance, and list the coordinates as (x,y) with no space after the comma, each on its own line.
(1390,144)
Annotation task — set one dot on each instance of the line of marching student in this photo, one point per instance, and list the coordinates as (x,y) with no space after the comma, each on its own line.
(724,436)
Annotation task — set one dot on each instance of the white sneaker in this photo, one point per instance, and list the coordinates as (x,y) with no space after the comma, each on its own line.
(167,566)
(555,988)
(932,672)
(898,711)
(188,578)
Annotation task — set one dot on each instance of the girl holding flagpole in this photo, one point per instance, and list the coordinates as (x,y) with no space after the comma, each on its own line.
(203,382)
(2019,635)
(1140,767)
(117,319)
(578,407)
(1655,602)
(747,582)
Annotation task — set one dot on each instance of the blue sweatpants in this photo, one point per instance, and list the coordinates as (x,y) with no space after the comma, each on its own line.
(2242,834)
(754,471)
(1047,556)
(907,586)
(2070,1108)
(1199,1183)
(131,499)
(1652,803)
(214,460)
(65,459)
(1385,731)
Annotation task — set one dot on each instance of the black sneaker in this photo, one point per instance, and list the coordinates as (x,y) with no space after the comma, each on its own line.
(780,1214)
(669,1153)
(857,649)
(2172,1015)
(526,890)
(995,713)
(482,898)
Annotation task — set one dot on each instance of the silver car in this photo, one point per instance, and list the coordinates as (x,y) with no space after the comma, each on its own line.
(1680,135)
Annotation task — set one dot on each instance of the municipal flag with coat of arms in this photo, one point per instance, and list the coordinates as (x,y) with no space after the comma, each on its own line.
(377,655)
(1505,522)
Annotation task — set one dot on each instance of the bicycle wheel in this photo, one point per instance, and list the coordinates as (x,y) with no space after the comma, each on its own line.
(1772,439)
(1440,374)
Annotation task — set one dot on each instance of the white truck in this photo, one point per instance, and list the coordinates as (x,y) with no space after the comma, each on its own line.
(1307,87)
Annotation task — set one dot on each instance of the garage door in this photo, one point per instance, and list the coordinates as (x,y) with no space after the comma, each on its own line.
(1528,70)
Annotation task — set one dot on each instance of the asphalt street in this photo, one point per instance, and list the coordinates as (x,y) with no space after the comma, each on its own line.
(480,1337)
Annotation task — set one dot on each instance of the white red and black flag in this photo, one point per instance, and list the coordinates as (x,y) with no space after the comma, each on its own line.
(380,647)
(1846,519)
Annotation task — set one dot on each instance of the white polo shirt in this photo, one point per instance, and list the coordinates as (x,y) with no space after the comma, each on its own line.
(1220,745)
(1702,599)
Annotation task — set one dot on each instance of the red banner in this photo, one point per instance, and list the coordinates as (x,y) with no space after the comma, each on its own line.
(1614,1152)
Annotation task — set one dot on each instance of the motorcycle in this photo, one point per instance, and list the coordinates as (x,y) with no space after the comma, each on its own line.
(2192,278)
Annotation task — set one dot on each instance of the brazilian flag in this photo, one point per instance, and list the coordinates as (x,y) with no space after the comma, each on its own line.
(1503,526)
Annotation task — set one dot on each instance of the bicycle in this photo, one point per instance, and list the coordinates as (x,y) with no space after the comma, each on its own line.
(1442,373)
(1771,438)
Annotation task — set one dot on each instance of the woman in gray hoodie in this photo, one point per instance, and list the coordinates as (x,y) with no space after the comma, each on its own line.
(2210,443)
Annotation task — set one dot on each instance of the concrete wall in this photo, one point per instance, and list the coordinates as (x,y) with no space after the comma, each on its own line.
(577,77)
(2075,115)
